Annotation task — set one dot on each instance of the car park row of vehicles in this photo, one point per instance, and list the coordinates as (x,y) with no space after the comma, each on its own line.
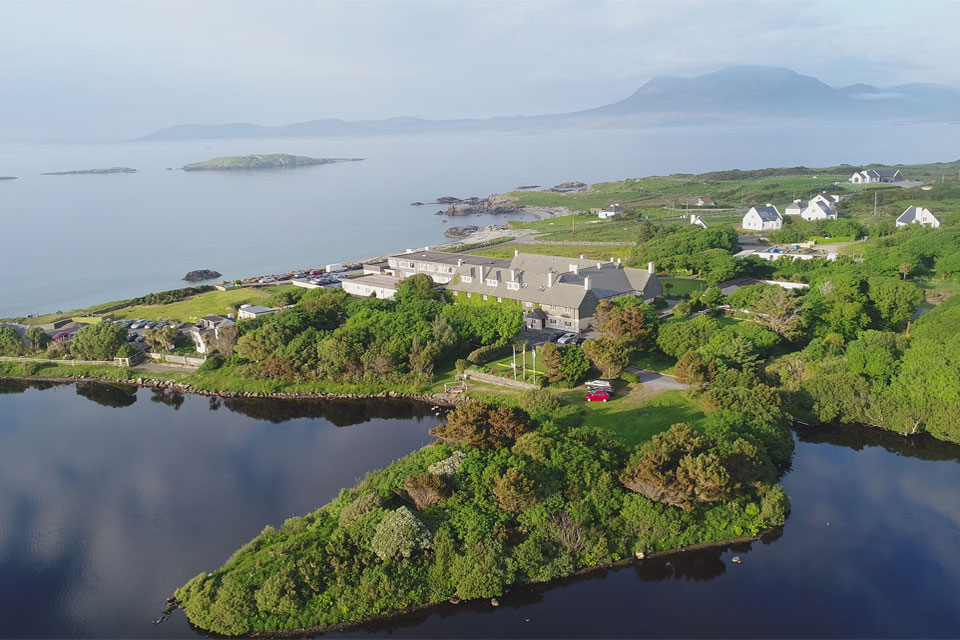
(318,276)
(566,337)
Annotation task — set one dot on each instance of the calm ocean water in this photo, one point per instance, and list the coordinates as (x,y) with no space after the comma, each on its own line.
(71,241)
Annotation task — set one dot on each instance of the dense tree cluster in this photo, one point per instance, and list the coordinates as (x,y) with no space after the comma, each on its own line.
(544,507)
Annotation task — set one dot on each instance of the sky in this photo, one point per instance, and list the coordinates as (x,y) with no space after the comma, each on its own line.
(108,70)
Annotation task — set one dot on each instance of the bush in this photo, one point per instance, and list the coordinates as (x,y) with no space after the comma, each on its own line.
(427,489)
(483,425)
(461,365)
(514,492)
(400,533)
(489,353)
(211,364)
(10,342)
(630,376)
(448,466)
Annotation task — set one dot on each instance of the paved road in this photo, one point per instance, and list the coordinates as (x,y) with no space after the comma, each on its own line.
(658,381)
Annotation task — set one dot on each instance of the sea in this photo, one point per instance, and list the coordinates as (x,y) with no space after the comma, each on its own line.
(71,241)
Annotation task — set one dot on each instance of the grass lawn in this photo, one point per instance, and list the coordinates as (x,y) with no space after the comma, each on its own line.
(636,417)
(64,315)
(837,240)
(653,361)
(681,287)
(218,302)
(504,365)
(570,251)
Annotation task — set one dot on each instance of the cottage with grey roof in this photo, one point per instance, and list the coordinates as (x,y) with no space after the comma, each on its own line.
(918,215)
(765,218)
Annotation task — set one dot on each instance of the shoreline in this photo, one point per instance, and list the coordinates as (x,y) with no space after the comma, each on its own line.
(438,399)
(305,632)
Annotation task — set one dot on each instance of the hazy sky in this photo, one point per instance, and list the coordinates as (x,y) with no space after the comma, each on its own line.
(82,69)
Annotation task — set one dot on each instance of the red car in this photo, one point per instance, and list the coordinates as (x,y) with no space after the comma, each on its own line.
(597,396)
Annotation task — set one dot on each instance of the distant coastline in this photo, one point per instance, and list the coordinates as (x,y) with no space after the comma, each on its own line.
(86,171)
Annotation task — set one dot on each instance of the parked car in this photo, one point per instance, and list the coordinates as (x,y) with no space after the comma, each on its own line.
(150,325)
(555,336)
(355,267)
(132,336)
(316,272)
(141,339)
(579,340)
(284,277)
(299,275)
(267,280)
(599,383)
(597,396)
(61,336)
(567,338)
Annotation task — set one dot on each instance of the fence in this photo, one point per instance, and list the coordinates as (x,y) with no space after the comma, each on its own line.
(175,359)
(471,374)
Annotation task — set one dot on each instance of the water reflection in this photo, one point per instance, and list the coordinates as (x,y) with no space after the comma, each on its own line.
(858,437)
(108,395)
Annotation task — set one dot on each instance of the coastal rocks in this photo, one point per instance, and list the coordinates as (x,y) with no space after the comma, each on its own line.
(494,205)
(736,560)
(461,232)
(202,274)
(569,187)
(416,204)
(448,200)
(85,171)
(525,187)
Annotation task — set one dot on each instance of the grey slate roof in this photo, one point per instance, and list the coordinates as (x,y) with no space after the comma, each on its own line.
(768,213)
(451,258)
(908,216)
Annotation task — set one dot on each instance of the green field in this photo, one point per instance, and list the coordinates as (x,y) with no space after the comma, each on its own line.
(637,417)
(681,287)
(211,302)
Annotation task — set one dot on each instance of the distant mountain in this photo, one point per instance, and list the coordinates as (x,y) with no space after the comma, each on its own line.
(744,94)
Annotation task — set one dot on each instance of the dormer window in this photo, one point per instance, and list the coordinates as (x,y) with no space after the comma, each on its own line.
(467,279)
(492,282)
(513,286)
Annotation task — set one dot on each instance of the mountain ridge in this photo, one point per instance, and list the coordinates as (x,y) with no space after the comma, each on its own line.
(738,94)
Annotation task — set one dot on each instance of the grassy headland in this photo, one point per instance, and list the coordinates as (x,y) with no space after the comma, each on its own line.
(265,161)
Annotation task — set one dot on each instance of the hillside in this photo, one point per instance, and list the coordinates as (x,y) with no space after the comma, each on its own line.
(266,161)
(735,95)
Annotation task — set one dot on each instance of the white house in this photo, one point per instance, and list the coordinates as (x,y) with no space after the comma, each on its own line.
(826,198)
(609,212)
(919,215)
(874,176)
(699,201)
(795,208)
(697,220)
(248,311)
(380,286)
(817,210)
(765,218)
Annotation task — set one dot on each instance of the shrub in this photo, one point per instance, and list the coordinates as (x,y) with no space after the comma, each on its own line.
(427,489)
(400,533)
(448,466)
(489,353)
(10,342)
(359,507)
(211,364)
(630,376)
(533,445)
(483,425)
(461,365)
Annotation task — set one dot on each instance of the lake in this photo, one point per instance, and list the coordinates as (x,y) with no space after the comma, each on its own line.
(111,497)
(76,240)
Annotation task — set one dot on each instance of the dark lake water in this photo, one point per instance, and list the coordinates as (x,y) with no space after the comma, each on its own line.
(116,236)
(109,500)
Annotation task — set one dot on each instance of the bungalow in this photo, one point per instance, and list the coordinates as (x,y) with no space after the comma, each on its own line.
(795,208)
(828,199)
(766,218)
(374,285)
(876,176)
(249,311)
(697,220)
(817,210)
(918,215)
(555,292)
(608,212)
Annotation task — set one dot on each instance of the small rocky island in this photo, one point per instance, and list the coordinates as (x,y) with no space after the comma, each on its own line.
(85,171)
(8,177)
(266,161)
(494,205)
(202,274)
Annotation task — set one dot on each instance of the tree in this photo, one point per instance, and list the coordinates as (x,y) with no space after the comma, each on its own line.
(565,364)
(676,338)
(483,425)
(427,489)
(399,533)
(419,286)
(608,355)
(628,320)
(514,491)
(693,371)
(39,338)
(10,342)
(781,311)
(98,341)
(894,300)
(164,337)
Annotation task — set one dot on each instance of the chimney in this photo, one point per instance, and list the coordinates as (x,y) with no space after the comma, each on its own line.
(583,256)
(516,252)
(575,269)
(599,266)
(483,273)
(769,205)
(651,268)
(459,262)
(513,275)
(619,261)
(549,278)
(611,259)
(409,251)
(586,283)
